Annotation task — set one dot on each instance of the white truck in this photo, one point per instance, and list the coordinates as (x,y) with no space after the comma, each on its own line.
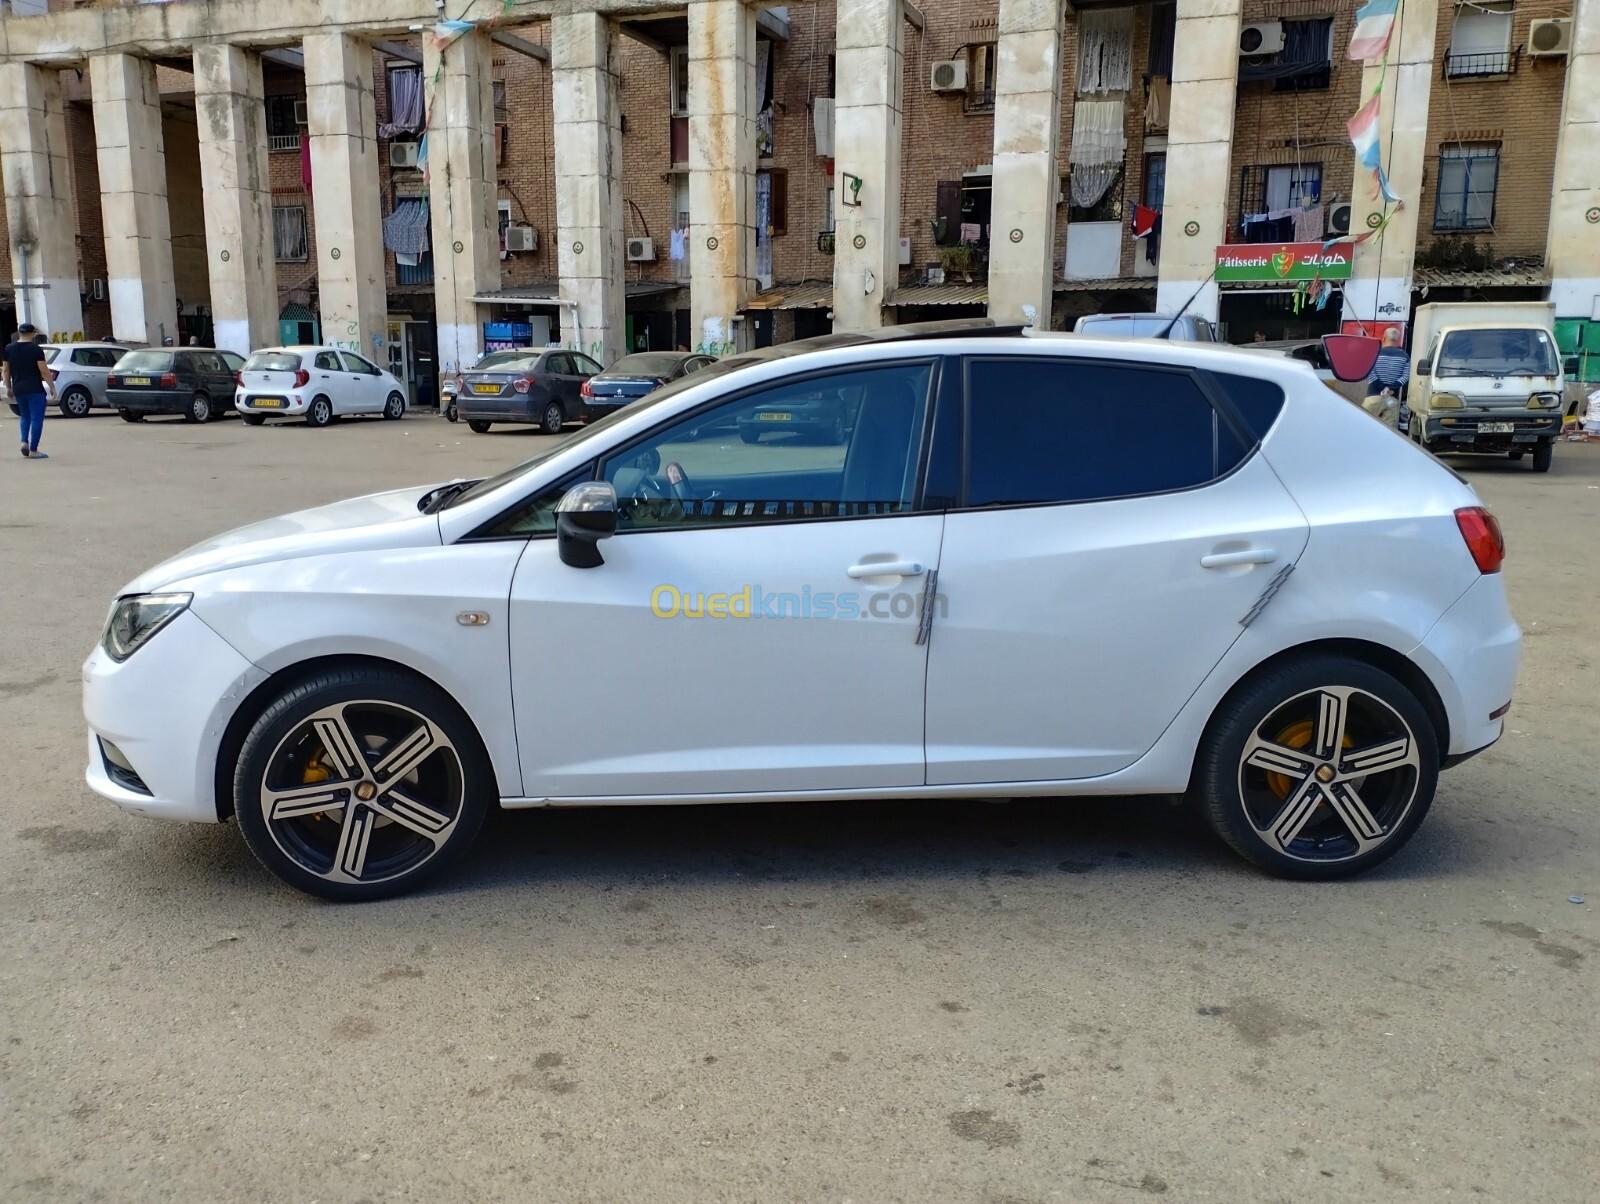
(1486,379)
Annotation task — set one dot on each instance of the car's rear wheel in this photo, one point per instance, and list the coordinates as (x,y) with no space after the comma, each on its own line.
(253,419)
(394,407)
(319,412)
(360,783)
(76,402)
(198,409)
(478,428)
(1320,768)
(554,418)
(1543,453)
(130,416)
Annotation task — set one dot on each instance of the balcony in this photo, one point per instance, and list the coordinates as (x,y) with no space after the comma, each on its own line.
(280,143)
(1481,63)
(421,273)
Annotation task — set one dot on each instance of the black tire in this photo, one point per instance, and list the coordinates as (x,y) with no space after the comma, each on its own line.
(394,407)
(130,416)
(553,419)
(1542,455)
(477,427)
(198,409)
(450,414)
(253,419)
(1516,455)
(75,403)
(1229,790)
(460,762)
(319,412)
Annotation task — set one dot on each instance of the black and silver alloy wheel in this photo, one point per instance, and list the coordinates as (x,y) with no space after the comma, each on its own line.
(1320,769)
(357,785)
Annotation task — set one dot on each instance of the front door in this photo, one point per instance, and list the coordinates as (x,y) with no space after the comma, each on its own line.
(754,628)
(1115,531)
(365,385)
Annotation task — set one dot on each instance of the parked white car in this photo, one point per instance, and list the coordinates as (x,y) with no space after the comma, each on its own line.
(1006,580)
(321,384)
(80,370)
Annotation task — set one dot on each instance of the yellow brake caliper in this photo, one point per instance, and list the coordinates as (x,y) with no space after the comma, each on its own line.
(1296,735)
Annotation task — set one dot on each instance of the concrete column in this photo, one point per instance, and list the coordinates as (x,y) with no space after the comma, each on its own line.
(133,198)
(343,126)
(1572,253)
(722,164)
(1205,86)
(867,121)
(1027,120)
(463,190)
(238,196)
(40,212)
(1379,288)
(587,95)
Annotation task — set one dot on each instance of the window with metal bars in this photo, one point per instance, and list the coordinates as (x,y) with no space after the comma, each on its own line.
(1464,196)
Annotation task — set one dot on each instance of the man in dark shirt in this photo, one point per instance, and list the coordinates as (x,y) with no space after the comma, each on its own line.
(28,379)
(1390,373)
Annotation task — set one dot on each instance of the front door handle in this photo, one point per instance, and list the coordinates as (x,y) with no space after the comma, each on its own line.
(885,568)
(1223,560)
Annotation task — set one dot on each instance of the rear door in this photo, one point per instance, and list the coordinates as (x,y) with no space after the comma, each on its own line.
(90,365)
(214,378)
(1114,529)
(562,381)
(329,378)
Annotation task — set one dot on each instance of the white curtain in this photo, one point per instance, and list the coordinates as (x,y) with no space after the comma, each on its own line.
(1105,50)
(1098,136)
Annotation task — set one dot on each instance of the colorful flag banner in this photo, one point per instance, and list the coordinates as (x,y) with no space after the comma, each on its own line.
(1374,25)
(447,33)
(1143,221)
(1364,130)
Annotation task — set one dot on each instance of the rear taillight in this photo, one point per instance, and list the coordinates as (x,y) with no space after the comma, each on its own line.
(302,378)
(587,390)
(169,380)
(238,379)
(113,380)
(522,384)
(1484,541)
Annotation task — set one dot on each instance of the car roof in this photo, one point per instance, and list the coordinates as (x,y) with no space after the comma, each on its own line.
(1526,325)
(90,343)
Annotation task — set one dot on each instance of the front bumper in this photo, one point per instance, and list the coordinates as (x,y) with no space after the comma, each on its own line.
(1460,427)
(1471,656)
(166,708)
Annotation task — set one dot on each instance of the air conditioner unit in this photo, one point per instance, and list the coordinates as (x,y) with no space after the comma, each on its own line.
(822,124)
(403,154)
(522,238)
(641,250)
(905,252)
(1260,38)
(1339,219)
(1550,38)
(949,75)
(300,113)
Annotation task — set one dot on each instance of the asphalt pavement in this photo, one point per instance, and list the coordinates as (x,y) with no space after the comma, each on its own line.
(1083,1000)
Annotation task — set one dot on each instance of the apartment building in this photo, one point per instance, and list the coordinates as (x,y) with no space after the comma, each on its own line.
(725,175)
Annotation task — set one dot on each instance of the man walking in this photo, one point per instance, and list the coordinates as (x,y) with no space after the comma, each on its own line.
(28,379)
(1387,380)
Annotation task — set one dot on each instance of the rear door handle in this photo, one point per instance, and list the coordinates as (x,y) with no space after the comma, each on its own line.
(885,568)
(1223,560)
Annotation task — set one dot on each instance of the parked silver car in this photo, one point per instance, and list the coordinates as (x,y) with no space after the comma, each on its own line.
(80,370)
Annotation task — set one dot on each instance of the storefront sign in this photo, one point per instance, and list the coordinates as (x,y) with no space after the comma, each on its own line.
(1291,261)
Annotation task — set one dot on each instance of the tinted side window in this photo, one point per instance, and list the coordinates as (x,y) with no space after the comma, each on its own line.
(585,366)
(1062,431)
(1257,402)
(557,365)
(327,361)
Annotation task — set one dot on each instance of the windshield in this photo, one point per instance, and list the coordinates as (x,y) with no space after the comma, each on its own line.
(1507,352)
(1138,326)
(520,360)
(273,361)
(145,361)
(649,363)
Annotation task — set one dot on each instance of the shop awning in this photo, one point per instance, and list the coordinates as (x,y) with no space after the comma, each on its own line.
(1514,277)
(811,294)
(948,293)
(1112,284)
(548,292)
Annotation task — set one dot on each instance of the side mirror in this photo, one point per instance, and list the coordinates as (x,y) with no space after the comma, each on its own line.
(585,515)
(1424,367)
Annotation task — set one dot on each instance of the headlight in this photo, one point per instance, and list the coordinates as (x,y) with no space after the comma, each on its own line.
(1544,401)
(1445,401)
(136,618)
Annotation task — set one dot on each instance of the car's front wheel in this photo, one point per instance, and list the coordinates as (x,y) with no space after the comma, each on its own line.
(358,784)
(394,407)
(1543,454)
(1320,768)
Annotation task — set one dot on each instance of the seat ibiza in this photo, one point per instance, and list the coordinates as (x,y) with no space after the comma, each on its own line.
(1044,565)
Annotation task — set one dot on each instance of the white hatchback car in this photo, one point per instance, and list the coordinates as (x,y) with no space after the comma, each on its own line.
(1006,580)
(321,384)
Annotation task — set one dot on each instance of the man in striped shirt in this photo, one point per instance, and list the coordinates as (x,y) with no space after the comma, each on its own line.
(1387,380)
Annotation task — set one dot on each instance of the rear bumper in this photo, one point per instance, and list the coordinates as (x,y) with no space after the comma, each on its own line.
(497,409)
(1471,656)
(148,401)
(245,403)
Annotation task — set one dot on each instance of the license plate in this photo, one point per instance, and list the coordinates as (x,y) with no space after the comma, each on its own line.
(266,403)
(775,416)
(136,380)
(486,388)
(1496,428)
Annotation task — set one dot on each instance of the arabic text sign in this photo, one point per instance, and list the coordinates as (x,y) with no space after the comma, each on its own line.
(1289,261)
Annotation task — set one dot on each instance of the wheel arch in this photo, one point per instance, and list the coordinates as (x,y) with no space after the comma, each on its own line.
(253,704)
(1380,656)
